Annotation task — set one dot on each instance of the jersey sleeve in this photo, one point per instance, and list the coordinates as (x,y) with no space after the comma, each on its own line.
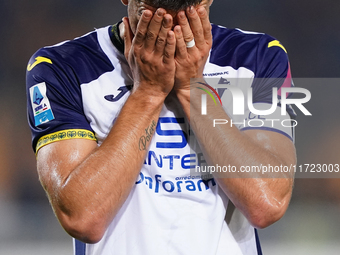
(54,101)
(273,71)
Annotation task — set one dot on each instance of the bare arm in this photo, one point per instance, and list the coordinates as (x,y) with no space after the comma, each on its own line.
(87,184)
(262,200)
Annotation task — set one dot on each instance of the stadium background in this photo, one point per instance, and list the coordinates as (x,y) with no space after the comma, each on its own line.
(306,28)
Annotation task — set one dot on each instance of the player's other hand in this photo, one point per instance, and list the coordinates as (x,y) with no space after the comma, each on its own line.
(150,52)
(192,24)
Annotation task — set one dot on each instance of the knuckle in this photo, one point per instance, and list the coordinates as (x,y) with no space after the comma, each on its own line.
(150,35)
(160,41)
(188,37)
(167,54)
(182,21)
(207,29)
(179,37)
(144,59)
(170,43)
(158,20)
(198,31)
(139,35)
(183,51)
(195,17)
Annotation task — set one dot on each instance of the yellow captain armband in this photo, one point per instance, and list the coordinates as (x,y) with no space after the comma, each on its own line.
(65,135)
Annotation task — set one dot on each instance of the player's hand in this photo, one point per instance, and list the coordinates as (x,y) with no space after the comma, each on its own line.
(150,52)
(192,24)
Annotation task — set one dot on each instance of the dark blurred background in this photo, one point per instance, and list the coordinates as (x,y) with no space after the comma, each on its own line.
(308,30)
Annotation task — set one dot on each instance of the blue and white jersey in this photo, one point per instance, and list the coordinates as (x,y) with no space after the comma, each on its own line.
(76,89)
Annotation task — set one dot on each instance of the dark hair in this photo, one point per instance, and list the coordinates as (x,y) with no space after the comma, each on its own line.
(173,5)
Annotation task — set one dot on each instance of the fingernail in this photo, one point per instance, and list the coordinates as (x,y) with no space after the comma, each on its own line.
(147,14)
(166,21)
(191,9)
(177,30)
(181,15)
(201,11)
(160,12)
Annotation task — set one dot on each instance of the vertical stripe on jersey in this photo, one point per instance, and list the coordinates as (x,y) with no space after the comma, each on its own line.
(258,245)
(80,247)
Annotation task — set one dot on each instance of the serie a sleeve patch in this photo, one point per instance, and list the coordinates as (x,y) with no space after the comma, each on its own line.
(41,106)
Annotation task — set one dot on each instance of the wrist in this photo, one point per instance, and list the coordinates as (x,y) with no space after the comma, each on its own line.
(193,89)
(153,88)
(183,95)
(149,96)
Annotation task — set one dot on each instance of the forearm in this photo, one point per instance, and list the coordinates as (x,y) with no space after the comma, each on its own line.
(102,182)
(223,145)
(97,187)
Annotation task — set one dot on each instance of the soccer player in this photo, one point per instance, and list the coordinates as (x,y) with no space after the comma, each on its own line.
(110,114)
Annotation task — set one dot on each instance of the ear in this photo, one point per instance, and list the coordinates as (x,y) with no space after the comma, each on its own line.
(125,2)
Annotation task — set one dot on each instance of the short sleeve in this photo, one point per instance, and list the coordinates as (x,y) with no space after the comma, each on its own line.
(54,102)
(272,71)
